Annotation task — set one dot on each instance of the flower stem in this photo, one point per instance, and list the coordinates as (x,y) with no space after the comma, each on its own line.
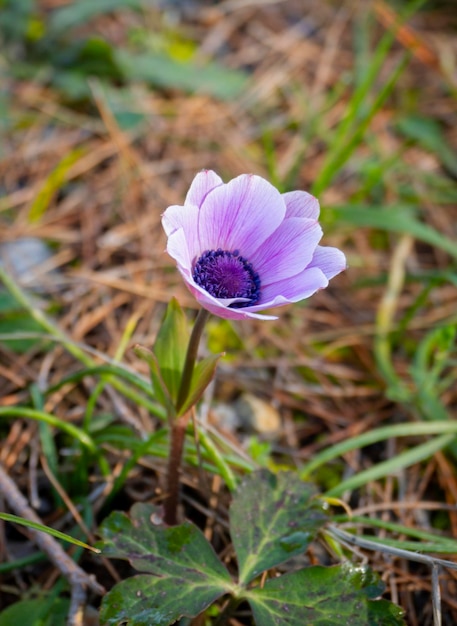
(179,425)
(177,436)
(191,357)
(228,611)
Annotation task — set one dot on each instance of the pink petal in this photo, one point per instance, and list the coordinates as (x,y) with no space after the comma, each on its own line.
(330,260)
(291,289)
(240,215)
(178,249)
(288,250)
(177,216)
(301,204)
(202,184)
(183,218)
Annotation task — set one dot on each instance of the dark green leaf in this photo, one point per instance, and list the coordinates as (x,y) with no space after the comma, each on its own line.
(18,323)
(160,70)
(171,346)
(80,12)
(428,133)
(398,219)
(273,517)
(324,596)
(184,575)
(46,611)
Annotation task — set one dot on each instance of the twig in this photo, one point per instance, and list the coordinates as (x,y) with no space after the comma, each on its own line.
(436,595)
(342,535)
(431,561)
(78,579)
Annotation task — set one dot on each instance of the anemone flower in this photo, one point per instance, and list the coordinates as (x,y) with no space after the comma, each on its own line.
(243,247)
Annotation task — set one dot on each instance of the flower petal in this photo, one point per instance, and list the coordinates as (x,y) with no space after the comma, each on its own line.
(330,260)
(291,289)
(202,184)
(288,250)
(277,234)
(185,218)
(240,215)
(301,204)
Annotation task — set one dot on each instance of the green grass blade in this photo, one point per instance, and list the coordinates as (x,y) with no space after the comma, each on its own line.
(398,218)
(374,436)
(47,418)
(447,544)
(7,517)
(391,466)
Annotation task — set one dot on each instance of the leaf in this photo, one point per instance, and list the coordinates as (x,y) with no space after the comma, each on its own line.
(323,596)
(14,328)
(273,517)
(76,13)
(158,385)
(170,347)
(428,133)
(394,465)
(47,611)
(184,575)
(160,70)
(398,219)
(52,184)
(201,377)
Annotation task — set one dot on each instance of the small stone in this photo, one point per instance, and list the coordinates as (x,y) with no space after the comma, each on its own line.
(258,415)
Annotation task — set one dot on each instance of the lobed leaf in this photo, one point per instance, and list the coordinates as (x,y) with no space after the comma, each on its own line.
(273,517)
(182,574)
(324,596)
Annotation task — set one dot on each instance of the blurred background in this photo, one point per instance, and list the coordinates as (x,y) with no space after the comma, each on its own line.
(108,109)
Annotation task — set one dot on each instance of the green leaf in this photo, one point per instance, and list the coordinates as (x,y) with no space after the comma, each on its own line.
(12,325)
(15,320)
(52,184)
(393,465)
(324,596)
(183,574)
(428,133)
(170,347)
(76,13)
(158,385)
(160,70)
(273,517)
(201,377)
(47,611)
(398,219)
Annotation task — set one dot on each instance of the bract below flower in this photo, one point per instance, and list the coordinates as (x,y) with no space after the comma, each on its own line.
(242,247)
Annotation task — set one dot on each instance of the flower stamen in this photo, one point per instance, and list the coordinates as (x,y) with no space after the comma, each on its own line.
(227,275)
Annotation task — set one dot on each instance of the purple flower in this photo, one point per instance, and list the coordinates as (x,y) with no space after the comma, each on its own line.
(243,247)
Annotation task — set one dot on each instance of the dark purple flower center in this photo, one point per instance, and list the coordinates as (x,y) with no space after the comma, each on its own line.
(226,275)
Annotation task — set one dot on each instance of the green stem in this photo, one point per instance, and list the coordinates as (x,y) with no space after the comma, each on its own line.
(178,426)
(191,357)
